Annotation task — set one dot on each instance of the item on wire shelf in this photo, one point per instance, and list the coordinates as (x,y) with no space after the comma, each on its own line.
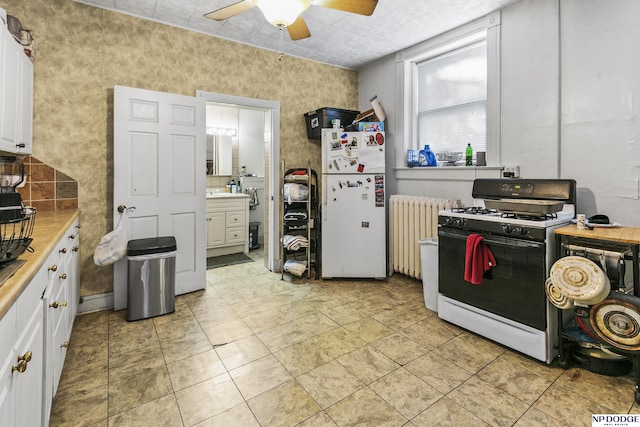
(295,267)
(296,215)
(580,279)
(294,192)
(294,242)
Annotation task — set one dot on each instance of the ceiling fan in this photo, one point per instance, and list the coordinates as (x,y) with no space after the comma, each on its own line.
(286,13)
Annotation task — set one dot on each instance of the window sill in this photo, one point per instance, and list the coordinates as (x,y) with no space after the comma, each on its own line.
(448,173)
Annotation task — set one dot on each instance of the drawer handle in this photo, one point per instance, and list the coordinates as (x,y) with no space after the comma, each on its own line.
(72,236)
(21,145)
(65,344)
(26,357)
(63,250)
(63,304)
(75,249)
(22,366)
(53,268)
(63,276)
(54,304)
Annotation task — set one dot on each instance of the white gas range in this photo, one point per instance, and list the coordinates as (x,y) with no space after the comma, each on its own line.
(516,219)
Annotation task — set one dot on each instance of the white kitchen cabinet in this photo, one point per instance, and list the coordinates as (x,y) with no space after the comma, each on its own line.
(22,374)
(61,300)
(16,96)
(31,329)
(227,228)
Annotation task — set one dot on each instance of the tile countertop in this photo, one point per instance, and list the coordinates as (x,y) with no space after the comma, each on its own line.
(49,228)
(629,235)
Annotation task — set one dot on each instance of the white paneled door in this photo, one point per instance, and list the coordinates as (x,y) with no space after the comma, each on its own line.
(159,143)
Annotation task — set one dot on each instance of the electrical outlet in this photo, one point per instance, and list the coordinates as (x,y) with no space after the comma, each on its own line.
(511,172)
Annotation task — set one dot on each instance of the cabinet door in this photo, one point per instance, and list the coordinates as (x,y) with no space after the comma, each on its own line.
(9,89)
(52,316)
(7,357)
(16,96)
(74,270)
(7,396)
(25,101)
(64,281)
(59,340)
(216,229)
(28,384)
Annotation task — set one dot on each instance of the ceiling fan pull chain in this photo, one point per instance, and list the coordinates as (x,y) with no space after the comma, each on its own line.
(281,43)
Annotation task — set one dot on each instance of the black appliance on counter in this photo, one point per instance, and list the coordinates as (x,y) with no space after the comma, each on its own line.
(16,220)
(516,219)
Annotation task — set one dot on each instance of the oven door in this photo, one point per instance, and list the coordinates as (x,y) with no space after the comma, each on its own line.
(513,289)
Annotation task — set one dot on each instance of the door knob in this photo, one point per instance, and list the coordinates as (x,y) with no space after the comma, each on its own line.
(122,208)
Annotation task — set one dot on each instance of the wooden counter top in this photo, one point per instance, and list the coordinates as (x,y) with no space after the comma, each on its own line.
(630,235)
(49,228)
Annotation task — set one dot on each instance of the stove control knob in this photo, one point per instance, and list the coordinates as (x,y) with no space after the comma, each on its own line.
(448,220)
(523,231)
(459,222)
(507,228)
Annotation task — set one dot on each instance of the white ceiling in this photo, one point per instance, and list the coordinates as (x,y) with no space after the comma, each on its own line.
(337,38)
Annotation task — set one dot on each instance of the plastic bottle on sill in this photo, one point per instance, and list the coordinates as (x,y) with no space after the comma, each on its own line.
(468,156)
(426,157)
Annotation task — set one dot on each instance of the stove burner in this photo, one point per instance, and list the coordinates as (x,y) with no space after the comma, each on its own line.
(528,216)
(474,210)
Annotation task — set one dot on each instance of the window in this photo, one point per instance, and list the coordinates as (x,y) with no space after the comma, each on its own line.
(450,91)
(451,95)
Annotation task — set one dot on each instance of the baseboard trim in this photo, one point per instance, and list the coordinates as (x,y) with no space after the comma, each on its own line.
(95,303)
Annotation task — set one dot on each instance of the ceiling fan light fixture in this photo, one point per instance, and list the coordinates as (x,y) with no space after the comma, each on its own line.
(282,12)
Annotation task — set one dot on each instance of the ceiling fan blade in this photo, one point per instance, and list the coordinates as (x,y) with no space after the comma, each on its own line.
(298,30)
(231,10)
(361,7)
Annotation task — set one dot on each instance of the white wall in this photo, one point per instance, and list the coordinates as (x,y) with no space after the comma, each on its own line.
(529,88)
(570,84)
(600,95)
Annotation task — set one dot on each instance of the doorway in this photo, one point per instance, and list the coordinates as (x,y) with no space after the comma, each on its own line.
(272,151)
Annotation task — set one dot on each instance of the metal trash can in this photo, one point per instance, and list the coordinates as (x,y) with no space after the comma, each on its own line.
(253,235)
(151,285)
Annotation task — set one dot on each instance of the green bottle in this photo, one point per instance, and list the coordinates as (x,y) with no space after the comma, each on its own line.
(469,156)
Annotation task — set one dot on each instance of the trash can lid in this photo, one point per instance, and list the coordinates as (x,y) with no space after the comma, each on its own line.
(152,245)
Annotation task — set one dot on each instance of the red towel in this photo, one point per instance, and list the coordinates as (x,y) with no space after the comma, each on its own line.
(478,259)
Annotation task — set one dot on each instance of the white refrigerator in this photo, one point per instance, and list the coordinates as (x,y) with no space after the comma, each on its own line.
(353,205)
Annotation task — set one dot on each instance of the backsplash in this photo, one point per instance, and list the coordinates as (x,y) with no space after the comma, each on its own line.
(46,188)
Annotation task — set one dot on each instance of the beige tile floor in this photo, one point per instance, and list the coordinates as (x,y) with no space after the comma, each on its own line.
(254,350)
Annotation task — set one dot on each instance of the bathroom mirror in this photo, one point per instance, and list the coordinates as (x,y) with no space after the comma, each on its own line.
(219,155)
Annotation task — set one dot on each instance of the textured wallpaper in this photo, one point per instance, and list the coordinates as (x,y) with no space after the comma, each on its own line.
(83,51)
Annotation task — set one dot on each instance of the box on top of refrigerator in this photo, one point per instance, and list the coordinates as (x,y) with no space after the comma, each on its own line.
(321,118)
